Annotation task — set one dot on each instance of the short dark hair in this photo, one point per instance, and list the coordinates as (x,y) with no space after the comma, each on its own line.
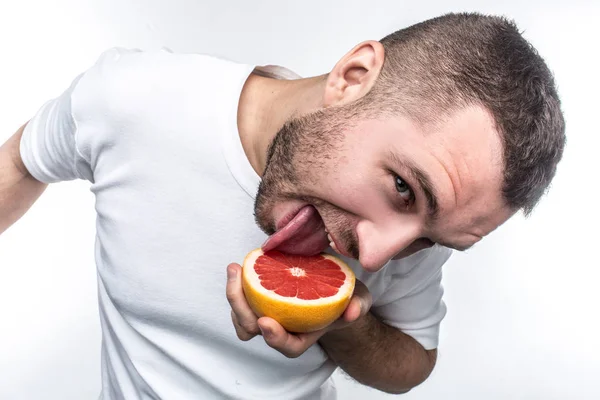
(457,60)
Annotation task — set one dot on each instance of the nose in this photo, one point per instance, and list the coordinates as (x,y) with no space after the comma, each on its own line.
(379,244)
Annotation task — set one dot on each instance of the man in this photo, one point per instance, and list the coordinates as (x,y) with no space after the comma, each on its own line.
(420,143)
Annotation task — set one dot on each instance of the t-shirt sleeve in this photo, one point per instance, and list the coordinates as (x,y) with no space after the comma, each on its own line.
(49,147)
(413,300)
(48,142)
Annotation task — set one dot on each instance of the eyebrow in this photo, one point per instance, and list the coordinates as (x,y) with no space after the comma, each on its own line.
(423,181)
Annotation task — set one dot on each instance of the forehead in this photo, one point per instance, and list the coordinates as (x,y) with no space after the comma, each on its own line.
(466,152)
(464,143)
(467,146)
(467,138)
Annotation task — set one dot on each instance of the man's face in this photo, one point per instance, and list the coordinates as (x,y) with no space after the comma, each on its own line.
(384,188)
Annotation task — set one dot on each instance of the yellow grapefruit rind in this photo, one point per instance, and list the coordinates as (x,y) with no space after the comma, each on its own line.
(296,315)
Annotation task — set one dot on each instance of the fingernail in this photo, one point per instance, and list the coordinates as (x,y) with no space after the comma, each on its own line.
(231,274)
(363,306)
(265,331)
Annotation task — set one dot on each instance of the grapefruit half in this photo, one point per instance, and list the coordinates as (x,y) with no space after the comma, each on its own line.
(302,293)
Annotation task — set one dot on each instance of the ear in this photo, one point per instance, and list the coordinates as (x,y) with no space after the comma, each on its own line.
(355,74)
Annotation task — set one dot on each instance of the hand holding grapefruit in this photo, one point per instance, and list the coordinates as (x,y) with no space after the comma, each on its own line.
(302,293)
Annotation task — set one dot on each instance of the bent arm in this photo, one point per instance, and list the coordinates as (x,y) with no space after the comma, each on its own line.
(379,356)
(18,189)
(392,348)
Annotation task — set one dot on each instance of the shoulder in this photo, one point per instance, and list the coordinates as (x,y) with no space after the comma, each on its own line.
(117,73)
(133,80)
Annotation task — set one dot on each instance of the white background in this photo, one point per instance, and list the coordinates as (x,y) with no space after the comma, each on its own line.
(523,305)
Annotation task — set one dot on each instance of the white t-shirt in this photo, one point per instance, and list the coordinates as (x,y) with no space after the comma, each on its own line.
(155,133)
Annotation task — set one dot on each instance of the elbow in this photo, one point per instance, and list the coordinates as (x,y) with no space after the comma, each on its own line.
(417,378)
(398,392)
(404,388)
(400,387)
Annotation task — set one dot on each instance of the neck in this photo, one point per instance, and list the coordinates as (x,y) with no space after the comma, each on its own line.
(266,104)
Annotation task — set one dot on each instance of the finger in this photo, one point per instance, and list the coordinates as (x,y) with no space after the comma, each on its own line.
(242,334)
(360,303)
(245,317)
(289,344)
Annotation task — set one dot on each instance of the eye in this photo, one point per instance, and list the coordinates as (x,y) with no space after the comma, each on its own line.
(403,189)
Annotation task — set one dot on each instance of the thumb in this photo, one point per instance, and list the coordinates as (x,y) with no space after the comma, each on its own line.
(360,304)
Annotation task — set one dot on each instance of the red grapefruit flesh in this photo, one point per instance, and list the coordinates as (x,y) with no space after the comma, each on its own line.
(302,293)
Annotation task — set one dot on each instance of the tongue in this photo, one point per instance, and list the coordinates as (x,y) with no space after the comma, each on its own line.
(303,235)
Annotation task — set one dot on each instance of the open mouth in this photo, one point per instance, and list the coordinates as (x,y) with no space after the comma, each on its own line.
(302,233)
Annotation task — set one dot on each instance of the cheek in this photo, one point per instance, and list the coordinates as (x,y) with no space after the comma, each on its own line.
(355,193)
(350,176)
(353,182)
